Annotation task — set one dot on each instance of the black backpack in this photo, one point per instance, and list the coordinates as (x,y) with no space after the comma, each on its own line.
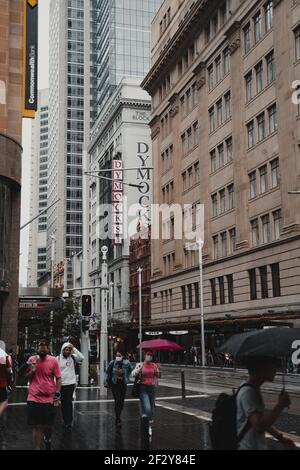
(223,428)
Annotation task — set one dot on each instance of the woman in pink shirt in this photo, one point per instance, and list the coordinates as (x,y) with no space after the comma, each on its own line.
(149,373)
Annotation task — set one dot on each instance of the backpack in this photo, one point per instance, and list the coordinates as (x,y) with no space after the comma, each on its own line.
(223,428)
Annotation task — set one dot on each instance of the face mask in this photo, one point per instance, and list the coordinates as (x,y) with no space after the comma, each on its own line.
(148,358)
(119,359)
(125,361)
(42,354)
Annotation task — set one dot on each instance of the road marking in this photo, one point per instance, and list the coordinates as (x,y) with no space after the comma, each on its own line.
(176,397)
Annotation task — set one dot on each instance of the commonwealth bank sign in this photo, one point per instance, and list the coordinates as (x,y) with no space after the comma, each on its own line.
(30,59)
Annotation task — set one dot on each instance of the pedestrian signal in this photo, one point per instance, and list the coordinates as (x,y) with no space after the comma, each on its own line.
(86,305)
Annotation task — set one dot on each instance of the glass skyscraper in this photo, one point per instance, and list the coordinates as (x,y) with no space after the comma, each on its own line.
(123,43)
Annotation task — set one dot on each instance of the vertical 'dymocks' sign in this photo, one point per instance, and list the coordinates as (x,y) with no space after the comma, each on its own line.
(30,59)
(117,201)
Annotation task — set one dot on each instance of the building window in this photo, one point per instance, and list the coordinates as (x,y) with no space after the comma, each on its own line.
(214,201)
(230,288)
(189,139)
(270,67)
(263,171)
(229,149)
(227,105)
(182,106)
(197,172)
(221,290)
(197,299)
(190,291)
(275,172)
(231,197)
(218,69)
(210,77)
(196,129)
(213,292)
(183,295)
(222,201)
(249,86)
(213,161)
(212,119)
(247,38)
(277,218)
(232,240)
(255,232)
(265,220)
(250,132)
(252,179)
(261,127)
(297,42)
(183,144)
(226,60)
(216,246)
(269,15)
(276,280)
(272,118)
(220,112)
(252,280)
(259,69)
(224,243)
(257,27)
(263,271)
(221,155)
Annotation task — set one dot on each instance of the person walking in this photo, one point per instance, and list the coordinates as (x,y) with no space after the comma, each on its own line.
(149,374)
(6,380)
(117,377)
(252,419)
(68,359)
(44,394)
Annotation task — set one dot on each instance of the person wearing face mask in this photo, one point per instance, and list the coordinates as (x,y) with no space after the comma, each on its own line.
(44,394)
(68,359)
(149,374)
(117,378)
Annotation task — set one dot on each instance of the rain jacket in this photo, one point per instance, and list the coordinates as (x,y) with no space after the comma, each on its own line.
(67,365)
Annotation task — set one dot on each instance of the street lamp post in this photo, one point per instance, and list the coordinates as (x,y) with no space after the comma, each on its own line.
(53,240)
(140,270)
(200,246)
(103,334)
(111,293)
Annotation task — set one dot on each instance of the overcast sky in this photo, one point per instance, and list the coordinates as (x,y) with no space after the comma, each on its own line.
(43,83)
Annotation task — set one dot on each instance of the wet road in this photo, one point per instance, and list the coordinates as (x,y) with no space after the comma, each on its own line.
(180,424)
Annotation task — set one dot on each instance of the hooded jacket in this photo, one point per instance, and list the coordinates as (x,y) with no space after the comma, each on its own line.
(67,365)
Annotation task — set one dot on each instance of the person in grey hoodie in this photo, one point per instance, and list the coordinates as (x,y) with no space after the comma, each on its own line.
(68,359)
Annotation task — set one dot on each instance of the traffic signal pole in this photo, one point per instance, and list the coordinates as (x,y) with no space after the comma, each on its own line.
(103,334)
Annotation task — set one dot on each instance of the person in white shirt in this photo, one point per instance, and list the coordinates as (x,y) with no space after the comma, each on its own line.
(68,359)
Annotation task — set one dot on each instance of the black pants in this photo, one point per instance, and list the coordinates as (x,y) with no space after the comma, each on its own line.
(67,403)
(119,393)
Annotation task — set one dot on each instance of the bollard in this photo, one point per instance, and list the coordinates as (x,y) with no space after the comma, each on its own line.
(182,384)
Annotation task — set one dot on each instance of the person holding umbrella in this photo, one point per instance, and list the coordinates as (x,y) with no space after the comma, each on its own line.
(149,373)
(251,414)
(259,350)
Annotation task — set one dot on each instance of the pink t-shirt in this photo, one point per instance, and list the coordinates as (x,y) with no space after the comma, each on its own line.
(149,374)
(42,386)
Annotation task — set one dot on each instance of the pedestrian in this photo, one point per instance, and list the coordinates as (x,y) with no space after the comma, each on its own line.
(6,380)
(252,419)
(44,394)
(149,374)
(117,377)
(68,360)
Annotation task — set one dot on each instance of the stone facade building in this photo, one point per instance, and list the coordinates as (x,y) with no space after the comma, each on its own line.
(11,59)
(225,133)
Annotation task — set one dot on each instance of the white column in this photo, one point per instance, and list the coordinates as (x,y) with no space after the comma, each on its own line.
(103,335)
(140,270)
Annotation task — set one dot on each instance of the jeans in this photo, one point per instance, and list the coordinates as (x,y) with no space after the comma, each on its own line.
(67,403)
(147,398)
(119,393)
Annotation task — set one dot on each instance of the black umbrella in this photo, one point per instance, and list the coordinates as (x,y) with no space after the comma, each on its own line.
(271,342)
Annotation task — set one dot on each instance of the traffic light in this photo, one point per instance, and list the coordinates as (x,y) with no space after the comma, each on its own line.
(85,324)
(86,306)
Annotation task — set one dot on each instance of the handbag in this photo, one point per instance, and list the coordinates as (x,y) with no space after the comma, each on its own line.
(136,389)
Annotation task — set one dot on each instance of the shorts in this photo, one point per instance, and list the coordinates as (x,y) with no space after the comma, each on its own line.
(3,395)
(40,414)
